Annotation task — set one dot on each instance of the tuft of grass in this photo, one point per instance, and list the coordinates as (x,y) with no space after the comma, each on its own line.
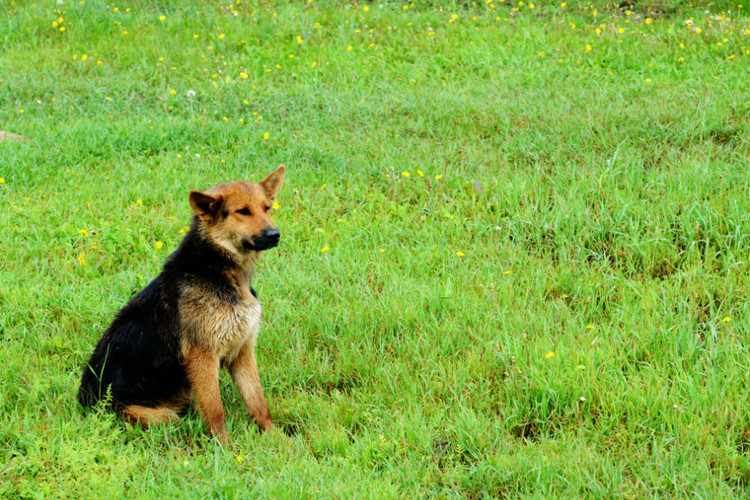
(514,252)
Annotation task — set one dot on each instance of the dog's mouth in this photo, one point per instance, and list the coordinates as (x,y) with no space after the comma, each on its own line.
(267,240)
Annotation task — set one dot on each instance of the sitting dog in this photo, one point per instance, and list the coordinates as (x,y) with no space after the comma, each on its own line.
(166,346)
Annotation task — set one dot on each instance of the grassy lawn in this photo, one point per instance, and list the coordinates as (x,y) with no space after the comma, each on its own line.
(514,257)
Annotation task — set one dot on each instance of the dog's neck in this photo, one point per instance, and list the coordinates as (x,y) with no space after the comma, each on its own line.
(244,259)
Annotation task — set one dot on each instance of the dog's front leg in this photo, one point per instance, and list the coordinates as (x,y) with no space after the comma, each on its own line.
(203,372)
(244,372)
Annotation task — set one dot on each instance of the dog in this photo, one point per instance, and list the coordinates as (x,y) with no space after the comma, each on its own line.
(166,346)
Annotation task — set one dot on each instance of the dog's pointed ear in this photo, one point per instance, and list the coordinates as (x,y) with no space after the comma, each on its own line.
(272,183)
(204,204)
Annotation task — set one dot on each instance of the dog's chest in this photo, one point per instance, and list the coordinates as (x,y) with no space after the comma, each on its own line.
(237,325)
(218,325)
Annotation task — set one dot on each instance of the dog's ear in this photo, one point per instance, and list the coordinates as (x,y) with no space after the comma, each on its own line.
(204,204)
(272,184)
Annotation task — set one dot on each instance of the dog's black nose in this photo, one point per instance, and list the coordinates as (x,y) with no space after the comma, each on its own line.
(272,236)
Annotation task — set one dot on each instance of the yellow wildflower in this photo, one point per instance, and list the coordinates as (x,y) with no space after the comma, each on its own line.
(549,355)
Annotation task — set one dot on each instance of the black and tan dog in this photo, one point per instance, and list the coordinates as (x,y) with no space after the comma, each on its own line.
(166,346)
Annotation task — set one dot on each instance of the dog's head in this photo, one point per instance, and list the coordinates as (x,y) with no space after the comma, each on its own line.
(236,215)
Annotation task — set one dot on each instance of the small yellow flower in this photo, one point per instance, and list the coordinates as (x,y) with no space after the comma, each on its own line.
(588,48)
(549,355)
(506,273)
(275,206)
(589,327)
(81,259)
(727,319)
(648,20)
(84,57)
(420,173)
(159,244)
(139,202)
(173,92)
(698,31)
(20,110)
(349,48)
(265,136)
(324,185)
(244,76)
(382,250)
(2,181)
(648,80)
(324,249)
(161,18)
(314,64)
(62,28)
(221,36)
(240,459)
(83,232)
(459,254)
(366,8)
(405,174)
(438,177)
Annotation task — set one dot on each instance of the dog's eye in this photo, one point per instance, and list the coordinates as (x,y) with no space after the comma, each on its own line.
(244,211)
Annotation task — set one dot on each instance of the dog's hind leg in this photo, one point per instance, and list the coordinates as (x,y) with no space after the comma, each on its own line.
(145,416)
(244,372)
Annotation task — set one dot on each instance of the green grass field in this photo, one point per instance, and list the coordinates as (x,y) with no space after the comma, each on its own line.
(514,258)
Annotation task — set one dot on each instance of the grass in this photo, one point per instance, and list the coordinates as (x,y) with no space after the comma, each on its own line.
(514,242)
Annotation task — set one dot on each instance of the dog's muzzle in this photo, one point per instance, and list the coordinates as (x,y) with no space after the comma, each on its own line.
(269,238)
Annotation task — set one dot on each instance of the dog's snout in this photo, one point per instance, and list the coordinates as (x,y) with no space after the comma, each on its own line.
(272,235)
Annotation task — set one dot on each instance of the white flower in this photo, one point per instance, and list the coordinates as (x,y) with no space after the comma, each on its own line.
(191,93)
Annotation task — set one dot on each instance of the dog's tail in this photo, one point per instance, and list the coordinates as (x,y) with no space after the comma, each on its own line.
(93,386)
(88,393)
